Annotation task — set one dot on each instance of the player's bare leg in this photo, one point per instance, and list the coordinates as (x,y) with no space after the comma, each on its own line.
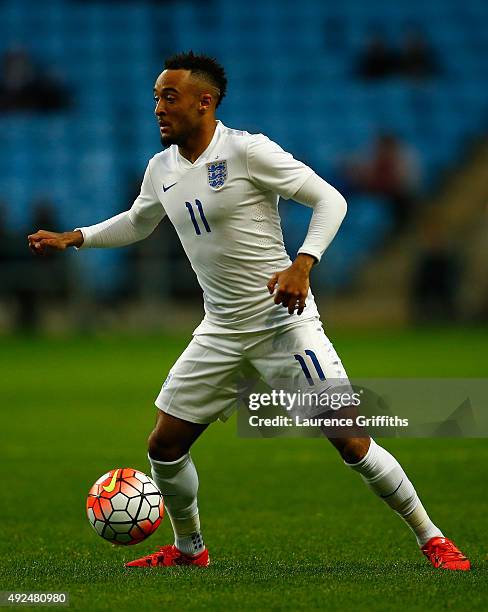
(172,437)
(175,474)
(386,478)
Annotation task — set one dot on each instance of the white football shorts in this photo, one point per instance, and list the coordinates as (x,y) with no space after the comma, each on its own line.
(206,381)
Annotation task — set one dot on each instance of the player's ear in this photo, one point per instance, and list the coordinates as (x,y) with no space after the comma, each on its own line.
(205,102)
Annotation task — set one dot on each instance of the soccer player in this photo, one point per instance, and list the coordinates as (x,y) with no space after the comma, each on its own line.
(220,188)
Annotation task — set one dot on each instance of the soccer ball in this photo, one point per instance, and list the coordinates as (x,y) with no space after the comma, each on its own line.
(124,506)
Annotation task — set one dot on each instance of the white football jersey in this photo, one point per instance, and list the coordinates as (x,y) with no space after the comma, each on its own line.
(224,207)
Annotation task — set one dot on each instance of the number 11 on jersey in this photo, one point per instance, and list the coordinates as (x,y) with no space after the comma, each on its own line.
(198,204)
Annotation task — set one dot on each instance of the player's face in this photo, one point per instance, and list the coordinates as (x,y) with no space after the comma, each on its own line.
(178,106)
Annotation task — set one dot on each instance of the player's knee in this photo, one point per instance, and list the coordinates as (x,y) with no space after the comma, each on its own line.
(163,448)
(353,450)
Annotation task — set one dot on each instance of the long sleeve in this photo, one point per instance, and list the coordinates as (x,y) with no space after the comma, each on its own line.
(273,169)
(329,209)
(129,226)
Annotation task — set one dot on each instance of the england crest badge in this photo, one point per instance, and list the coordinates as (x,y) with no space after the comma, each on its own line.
(217,174)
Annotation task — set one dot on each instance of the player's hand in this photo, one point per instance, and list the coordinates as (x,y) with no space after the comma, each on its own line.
(43,241)
(293,284)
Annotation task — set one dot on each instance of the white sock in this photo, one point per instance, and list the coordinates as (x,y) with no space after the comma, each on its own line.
(384,476)
(178,482)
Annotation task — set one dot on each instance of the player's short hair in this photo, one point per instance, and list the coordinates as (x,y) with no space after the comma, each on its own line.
(204,66)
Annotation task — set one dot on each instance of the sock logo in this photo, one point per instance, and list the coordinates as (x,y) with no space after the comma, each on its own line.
(109,488)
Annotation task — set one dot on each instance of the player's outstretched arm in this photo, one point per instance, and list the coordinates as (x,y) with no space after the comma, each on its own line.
(121,230)
(43,241)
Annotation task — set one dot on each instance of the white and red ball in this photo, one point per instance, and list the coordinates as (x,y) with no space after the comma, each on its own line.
(124,506)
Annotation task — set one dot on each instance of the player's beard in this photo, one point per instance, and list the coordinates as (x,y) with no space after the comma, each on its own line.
(170,139)
(167,141)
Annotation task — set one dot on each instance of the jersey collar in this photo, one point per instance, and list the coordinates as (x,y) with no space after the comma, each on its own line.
(205,155)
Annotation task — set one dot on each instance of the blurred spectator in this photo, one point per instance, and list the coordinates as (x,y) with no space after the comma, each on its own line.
(24,86)
(44,215)
(47,278)
(5,241)
(377,60)
(26,280)
(8,243)
(391,170)
(3,223)
(417,58)
(435,280)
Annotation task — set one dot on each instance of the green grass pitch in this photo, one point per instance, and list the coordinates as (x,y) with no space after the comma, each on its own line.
(287,524)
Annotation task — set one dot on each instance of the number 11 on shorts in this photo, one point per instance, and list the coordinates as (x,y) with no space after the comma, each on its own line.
(315,362)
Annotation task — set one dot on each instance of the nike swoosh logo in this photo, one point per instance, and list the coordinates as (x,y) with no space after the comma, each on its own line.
(165,189)
(109,488)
